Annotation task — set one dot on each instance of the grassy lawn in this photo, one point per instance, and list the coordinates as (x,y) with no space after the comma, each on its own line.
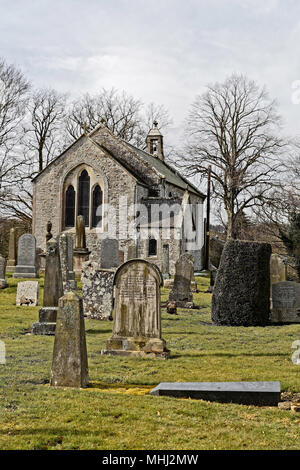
(116,412)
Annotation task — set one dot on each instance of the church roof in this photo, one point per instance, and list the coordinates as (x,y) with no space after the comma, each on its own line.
(171,175)
(166,171)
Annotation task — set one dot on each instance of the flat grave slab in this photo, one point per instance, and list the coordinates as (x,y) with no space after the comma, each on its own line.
(243,393)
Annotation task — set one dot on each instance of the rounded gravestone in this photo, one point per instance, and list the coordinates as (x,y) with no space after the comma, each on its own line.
(241,295)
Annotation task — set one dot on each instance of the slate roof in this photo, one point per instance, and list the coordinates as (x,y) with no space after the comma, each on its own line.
(171,175)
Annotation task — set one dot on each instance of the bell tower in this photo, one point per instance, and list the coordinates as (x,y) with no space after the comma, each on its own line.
(154,142)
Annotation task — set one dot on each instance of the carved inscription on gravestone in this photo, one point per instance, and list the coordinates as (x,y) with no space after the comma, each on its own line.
(137,314)
(286,302)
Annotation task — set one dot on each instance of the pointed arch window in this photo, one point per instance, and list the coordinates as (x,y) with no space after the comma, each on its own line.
(84,196)
(70,207)
(97,198)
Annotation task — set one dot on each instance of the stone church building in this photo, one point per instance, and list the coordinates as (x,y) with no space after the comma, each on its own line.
(124,193)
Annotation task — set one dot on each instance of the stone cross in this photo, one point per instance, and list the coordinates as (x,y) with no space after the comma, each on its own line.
(26,266)
(137,314)
(70,364)
(3,282)
(182,288)
(12,251)
(53,290)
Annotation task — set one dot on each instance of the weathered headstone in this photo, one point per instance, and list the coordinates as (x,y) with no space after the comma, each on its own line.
(66,262)
(286,302)
(26,266)
(80,238)
(80,253)
(184,274)
(12,252)
(137,314)
(53,290)
(166,262)
(241,295)
(109,256)
(131,253)
(70,364)
(97,291)
(28,293)
(278,269)
(3,283)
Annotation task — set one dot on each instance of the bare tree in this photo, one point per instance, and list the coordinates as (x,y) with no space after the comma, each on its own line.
(234,128)
(41,140)
(44,127)
(124,115)
(13,97)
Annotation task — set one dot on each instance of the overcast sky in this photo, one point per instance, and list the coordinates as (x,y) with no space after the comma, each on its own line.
(163,51)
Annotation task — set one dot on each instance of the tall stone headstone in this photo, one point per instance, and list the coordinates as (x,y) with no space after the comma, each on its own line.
(241,295)
(70,363)
(28,293)
(109,256)
(97,291)
(26,266)
(80,238)
(137,313)
(80,253)
(53,290)
(66,262)
(286,302)
(182,287)
(3,282)
(166,262)
(12,252)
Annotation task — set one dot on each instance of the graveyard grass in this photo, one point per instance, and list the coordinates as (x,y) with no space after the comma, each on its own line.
(117,412)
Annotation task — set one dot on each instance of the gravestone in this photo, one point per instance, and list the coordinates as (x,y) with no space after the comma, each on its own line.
(278,269)
(166,262)
(241,295)
(131,253)
(3,283)
(53,290)
(184,275)
(109,255)
(26,266)
(137,313)
(80,253)
(28,293)
(69,363)
(66,262)
(97,291)
(243,393)
(286,302)
(12,252)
